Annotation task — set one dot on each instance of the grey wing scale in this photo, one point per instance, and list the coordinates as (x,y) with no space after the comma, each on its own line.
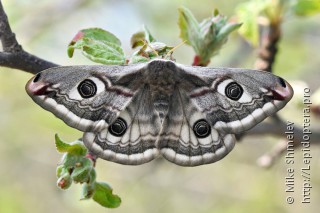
(137,145)
(178,142)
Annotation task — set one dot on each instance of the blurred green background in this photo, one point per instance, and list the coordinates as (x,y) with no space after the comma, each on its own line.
(28,157)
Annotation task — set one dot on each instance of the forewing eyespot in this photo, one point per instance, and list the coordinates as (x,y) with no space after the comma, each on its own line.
(234,91)
(87,88)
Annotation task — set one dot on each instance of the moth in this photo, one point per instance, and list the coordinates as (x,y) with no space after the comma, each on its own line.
(131,114)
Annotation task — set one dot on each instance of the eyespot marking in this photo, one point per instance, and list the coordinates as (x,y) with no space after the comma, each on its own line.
(118,128)
(201,128)
(234,91)
(87,88)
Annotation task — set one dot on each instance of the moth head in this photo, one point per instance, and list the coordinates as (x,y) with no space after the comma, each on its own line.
(74,94)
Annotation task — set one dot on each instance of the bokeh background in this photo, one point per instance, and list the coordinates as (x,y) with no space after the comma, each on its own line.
(28,157)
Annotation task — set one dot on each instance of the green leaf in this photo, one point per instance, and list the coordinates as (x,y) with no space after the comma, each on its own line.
(207,37)
(306,7)
(76,167)
(100,35)
(138,59)
(88,190)
(69,160)
(227,29)
(216,12)
(76,148)
(103,52)
(150,48)
(150,51)
(92,176)
(159,47)
(189,28)
(248,13)
(99,46)
(96,34)
(103,195)
(81,170)
(224,32)
(148,35)
(141,38)
(65,181)
(138,39)
(60,170)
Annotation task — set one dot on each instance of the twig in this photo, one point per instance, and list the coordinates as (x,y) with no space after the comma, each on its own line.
(278,128)
(265,61)
(268,159)
(13,55)
(268,47)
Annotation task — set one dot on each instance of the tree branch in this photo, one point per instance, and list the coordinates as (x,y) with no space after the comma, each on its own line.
(269,47)
(13,55)
(266,57)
